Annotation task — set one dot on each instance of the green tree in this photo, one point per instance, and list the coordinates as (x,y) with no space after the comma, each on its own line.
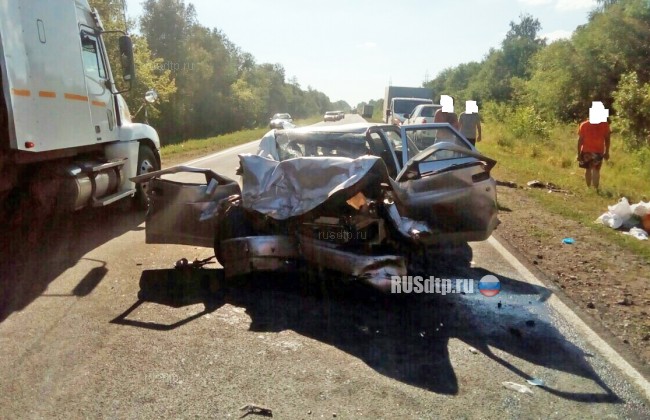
(553,87)
(150,72)
(632,106)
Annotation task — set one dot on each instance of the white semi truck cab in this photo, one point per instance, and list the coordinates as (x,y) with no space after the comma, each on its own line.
(66,135)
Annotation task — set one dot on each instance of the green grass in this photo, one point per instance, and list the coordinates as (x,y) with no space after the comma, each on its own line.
(554,160)
(198,147)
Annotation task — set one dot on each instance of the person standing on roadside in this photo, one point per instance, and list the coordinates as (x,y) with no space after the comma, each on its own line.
(446,114)
(593,143)
(470,123)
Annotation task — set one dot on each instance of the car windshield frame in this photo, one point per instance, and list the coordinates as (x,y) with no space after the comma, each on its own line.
(451,135)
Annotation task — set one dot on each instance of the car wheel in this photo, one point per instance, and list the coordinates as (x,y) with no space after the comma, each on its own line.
(147,162)
(231,222)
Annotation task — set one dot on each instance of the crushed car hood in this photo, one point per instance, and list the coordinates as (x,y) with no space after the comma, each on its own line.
(296,186)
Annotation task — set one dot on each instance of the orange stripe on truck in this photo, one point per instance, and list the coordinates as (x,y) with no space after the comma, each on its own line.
(75,97)
(21,92)
(99,103)
(47,94)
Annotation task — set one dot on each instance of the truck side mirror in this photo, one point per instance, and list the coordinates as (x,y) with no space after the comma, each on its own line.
(126,58)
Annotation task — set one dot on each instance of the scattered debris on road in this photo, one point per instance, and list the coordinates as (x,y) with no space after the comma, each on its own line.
(184,263)
(517,387)
(536,382)
(256,409)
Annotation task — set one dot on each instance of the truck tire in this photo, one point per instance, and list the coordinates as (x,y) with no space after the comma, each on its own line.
(147,162)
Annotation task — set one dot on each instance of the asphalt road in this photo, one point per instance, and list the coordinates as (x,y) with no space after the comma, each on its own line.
(76,341)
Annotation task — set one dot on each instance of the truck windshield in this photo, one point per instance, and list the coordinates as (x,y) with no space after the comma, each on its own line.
(406,106)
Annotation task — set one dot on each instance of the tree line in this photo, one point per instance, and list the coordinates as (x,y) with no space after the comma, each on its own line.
(206,84)
(607,59)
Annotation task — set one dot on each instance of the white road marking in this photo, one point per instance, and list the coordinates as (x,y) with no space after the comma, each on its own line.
(594,339)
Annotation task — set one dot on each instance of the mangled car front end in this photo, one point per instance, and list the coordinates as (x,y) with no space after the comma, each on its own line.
(326,198)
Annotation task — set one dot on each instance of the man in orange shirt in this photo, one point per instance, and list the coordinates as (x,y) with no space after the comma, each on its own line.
(593,143)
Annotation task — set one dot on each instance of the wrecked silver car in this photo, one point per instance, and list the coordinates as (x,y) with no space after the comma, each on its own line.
(365,200)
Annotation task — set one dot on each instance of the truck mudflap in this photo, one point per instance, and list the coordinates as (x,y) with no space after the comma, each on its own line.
(282,253)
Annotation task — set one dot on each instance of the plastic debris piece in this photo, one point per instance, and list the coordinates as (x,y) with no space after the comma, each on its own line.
(568,241)
(256,410)
(638,233)
(536,382)
(517,387)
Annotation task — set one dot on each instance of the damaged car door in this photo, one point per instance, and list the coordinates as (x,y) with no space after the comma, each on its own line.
(181,212)
(447,185)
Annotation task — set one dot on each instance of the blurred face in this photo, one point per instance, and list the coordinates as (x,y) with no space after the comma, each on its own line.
(598,113)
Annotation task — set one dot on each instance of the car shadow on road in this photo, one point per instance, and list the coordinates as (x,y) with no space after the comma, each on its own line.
(34,254)
(405,337)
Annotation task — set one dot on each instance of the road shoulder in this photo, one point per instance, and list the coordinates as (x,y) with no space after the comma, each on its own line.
(604,284)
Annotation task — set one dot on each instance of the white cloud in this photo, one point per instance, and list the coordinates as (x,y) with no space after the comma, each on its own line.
(555,35)
(367,46)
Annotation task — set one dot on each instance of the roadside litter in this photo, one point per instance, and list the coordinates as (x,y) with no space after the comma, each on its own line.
(536,382)
(517,387)
(638,233)
(568,241)
(548,186)
(635,218)
(508,184)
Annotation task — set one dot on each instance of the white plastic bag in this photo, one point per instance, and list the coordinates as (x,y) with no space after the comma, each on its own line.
(622,209)
(638,233)
(617,214)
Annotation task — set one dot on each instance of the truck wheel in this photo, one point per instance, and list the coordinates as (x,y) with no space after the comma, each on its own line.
(146,163)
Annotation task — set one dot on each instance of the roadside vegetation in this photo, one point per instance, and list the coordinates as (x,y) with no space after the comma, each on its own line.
(552,159)
(207,85)
(532,94)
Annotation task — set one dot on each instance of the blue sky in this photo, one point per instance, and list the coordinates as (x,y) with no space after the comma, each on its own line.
(351,49)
